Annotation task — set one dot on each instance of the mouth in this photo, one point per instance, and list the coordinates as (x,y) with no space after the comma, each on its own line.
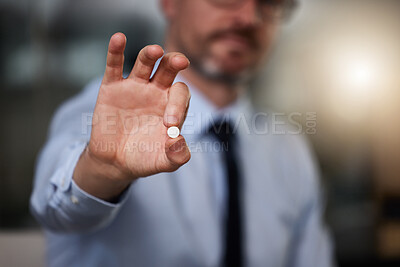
(236,42)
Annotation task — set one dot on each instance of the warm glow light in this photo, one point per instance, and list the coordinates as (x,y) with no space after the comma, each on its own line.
(357,74)
(355,82)
(359,78)
(361,74)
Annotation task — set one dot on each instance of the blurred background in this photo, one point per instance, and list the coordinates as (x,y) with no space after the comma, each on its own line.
(339,59)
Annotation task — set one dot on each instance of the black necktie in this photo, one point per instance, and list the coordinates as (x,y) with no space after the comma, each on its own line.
(233,235)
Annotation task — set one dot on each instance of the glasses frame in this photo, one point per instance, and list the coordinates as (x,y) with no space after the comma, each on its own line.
(288,6)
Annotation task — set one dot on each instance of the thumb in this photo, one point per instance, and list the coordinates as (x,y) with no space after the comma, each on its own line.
(177,151)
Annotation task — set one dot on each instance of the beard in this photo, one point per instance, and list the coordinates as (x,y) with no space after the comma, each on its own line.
(205,64)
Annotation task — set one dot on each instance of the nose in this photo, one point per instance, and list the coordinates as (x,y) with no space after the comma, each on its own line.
(249,13)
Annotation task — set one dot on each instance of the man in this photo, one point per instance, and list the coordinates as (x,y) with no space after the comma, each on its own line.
(124,193)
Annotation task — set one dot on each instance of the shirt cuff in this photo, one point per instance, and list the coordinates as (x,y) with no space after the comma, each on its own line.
(72,199)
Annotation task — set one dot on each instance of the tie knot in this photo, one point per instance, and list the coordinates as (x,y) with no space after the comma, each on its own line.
(223,130)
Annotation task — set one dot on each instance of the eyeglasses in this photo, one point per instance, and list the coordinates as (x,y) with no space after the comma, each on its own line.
(267,8)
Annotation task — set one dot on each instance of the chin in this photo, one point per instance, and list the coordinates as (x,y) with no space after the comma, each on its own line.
(235,63)
(235,69)
(224,65)
(226,73)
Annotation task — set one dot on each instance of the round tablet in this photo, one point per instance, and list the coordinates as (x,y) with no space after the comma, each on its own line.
(173,132)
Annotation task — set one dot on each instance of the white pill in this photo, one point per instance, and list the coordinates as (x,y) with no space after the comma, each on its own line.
(173,132)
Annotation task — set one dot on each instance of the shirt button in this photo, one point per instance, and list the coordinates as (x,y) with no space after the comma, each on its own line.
(74,200)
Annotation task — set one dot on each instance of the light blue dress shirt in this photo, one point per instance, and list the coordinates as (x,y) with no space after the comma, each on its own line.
(175,219)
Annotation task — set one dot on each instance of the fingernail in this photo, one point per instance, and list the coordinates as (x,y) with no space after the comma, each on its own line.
(172,120)
(178,146)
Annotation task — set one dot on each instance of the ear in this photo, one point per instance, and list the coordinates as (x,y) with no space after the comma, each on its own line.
(169,8)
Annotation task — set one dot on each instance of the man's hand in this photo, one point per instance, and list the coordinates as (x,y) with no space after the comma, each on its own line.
(130,121)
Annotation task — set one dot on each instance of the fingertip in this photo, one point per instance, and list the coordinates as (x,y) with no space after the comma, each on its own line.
(119,36)
(183,86)
(172,141)
(178,150)
(117,42)
(171,120)
(180,62)
(155,51)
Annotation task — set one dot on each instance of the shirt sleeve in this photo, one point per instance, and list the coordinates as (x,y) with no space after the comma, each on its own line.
(56,201)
